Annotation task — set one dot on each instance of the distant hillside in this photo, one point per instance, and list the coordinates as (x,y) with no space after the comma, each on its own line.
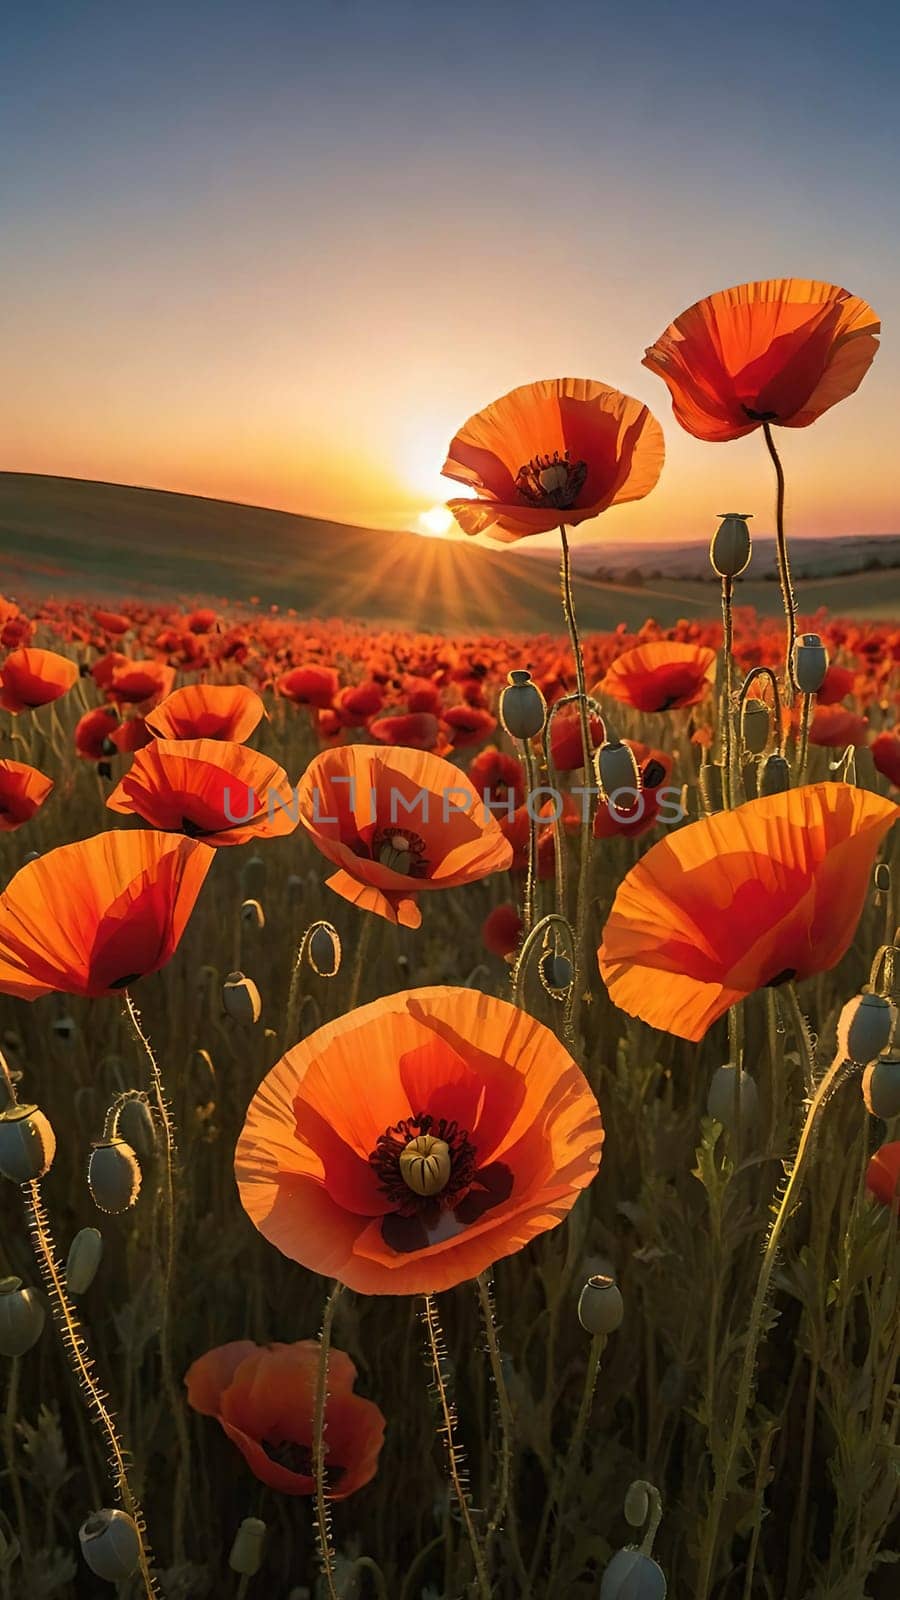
(677,560)
(71,537)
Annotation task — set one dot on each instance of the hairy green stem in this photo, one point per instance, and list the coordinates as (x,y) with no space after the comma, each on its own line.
(436,1353)
(784,567)
(581,911)
(323,1519)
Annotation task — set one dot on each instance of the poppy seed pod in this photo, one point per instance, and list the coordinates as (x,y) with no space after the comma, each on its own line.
(616,768)
(323,949)
(110,1544)
(114,1175)
(253,915)
(810,663)
(247,1550)
(637,1505)
(27,1144)
(85,1253)
(555,972)
(864,1028)
(633,1576)
(774,775)
(881,1086)
(136,1125)
(600,1306)
(22,1317)
(720,1101)
(729,550)
(241,998)
(755,725)
(523,709)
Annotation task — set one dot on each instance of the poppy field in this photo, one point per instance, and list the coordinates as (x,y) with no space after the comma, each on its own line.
(449,1084)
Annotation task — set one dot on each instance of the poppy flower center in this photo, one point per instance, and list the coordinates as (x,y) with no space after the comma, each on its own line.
(400,851)
(424,1165)
(298,1458)
(551,480)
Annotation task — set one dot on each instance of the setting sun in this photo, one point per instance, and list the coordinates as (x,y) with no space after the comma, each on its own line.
(436,522)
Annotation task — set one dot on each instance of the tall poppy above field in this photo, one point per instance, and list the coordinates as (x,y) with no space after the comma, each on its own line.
(741,901)
(781,351)
(92,917)
(397,823)
(209,789)
(207,711)
(408,1145)
(562,450)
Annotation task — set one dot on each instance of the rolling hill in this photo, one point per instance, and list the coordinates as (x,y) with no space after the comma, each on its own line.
(102,541)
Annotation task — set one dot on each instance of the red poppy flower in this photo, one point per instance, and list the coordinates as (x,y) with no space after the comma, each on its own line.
(201,621)
(416,730)
(740,901)
(94,734)
(112,622)
(137,682)
(780,351)
(15,628)
(468,725)
(208,789)
(397,823)
(359,702)
(566,749)
(208,711)
(886,755)
(661,676)
(92,917)
(501,931)
(559,451)
(635,814)
(883,1174)
(835,727)
(837,684)
(31,678)
(309,686)
(496,775)
(131,734)
(476,1132)
(264,1398)
(23,791)
(422,695)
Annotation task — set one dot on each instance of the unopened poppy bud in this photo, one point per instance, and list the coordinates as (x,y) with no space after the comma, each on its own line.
(600,1306)
(637,1505)
(114,1175)
(720,1101)
(555,972)
(247,1551)
(881,878)
(85,1253)
(111,1545)
(633,1576)
(774,775)
(755,725)
(323,949)
(729,550)
(253,877)
(241,998)
(616,768)
(22,1317)
(881,1086)
(65,1028)
(253,915)
(523,709)
(136,1125)
(27,1144)
(810,663)
(711,791)
(864,1028)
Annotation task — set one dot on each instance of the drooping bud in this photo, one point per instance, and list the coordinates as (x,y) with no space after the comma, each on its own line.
(617,770)
(425,1165)
(323,949)
(27,1144)
(114,1175)
(22,1317)
(774,775)
(247,1550)
(111,1545)
(865,1027)
(241,998)
(729,550)
(600,1306)
(720,1101)
(555,971)
(253,915)
(881,1086)
(755,725)
(85,1253)
(810,663)
(523,709)
(633,1576)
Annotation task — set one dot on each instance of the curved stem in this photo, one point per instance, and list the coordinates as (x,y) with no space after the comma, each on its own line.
(552,920)
(784,567)
(581,911)
(454,1458)
(323,1518)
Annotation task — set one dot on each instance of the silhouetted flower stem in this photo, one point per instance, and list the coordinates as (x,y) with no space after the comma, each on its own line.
(581,913)
(784,566)
(455,1464)
(323,1515)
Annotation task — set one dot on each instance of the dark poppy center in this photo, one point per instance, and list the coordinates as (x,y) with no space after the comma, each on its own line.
(124,983)
(784,976)
(554,481)
(653,774)
(760,416)
(466,1191)
(400,850)
(299,1458)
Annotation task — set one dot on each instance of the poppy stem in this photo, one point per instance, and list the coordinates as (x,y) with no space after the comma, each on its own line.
(539,932)
(323,1515)
(362,946)
(573,1454)
(784,567)
(483,1284)
(581,916)
(805,719)
(728,775)
(166,1190)
(530,908)
(455,1460)
(726,1459)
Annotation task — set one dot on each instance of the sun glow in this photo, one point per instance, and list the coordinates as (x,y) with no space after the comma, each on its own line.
(436,522)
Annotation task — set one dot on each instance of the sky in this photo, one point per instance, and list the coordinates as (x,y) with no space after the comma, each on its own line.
(277,252)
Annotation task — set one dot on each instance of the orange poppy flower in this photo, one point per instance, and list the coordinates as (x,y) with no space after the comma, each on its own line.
(883,1174)
(309,686)
(781,351)
(558,451)
(496,776)
(468,724)
(23,791)
(94,734)
(208,711)
(835,727)
(264,1398)
(886,755)
(742,901)
(566,748)
(31,678)
(397,823)
(660,676)
(633,815)
(112,621)
(208,789)
(408,1145)
(92,917)
(134,682)
(415,730)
